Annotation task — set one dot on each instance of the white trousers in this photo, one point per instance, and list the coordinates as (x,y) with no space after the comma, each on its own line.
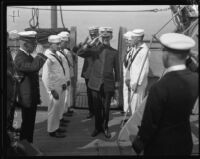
(125,97)
(70,96)
(55,109)
(125,91)
(67,100)
(138,97)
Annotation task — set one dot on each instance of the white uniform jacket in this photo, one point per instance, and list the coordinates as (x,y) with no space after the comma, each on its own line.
(136,65)
(53,75)
(125,88)
(65,65)
(135,69)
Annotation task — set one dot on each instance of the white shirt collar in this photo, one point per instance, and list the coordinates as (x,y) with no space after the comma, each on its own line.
(175,68)
(24,51)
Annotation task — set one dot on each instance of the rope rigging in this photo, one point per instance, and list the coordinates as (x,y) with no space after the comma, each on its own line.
(79,10)
(61,16)
(34,18)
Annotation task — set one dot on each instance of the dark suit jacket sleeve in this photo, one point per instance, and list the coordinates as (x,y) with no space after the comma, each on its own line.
(116,67)
(151,117)
(23,65)
(87,52)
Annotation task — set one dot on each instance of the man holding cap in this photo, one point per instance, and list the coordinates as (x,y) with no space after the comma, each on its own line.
(55,82)
(103,80)
(27,68)
(87,66)
(135,70)
(165,127)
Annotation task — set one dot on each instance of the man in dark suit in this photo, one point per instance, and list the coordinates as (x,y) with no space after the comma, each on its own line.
(165,127)
(104,78)
(10,89)
(87,66)
(27,68)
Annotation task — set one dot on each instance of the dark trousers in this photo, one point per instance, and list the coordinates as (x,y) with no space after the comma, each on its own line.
(11,114)
(101,108)
(89,96)
(28,123)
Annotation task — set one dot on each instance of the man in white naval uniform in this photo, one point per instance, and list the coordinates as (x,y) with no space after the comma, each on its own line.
(138,56)
(70,54)
(63,53)
(55,82)
(127,57)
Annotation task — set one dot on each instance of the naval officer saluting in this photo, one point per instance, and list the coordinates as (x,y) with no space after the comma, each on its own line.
(165,127)
(27,68)
(87,67)
(104,78)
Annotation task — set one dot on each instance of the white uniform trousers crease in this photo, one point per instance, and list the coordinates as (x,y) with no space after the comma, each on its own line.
(125,91)
(138,96)
(67,100)
(55,110)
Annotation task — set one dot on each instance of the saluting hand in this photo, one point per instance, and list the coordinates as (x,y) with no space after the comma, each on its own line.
(55,94)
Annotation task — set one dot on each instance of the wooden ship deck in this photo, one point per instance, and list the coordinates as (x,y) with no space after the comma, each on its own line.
(78,140)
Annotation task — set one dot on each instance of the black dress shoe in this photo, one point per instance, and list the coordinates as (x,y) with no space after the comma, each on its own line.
(70,111)
(57,134)
(95,133)
(62,124)
(61,130)
(64,120)
(90,115)
(67,114)
(107,133)
(122,112)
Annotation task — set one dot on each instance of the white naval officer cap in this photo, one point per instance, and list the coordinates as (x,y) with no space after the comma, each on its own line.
(54,39)
(128,35)
(105,31)
(64,35)
(13,34)
(28,36)
(93,28)
(177,41)
(138,32)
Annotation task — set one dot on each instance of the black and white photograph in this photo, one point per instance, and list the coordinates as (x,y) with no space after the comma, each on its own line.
(101,80)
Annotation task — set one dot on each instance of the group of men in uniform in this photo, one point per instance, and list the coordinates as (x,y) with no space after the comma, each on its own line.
(165,126)
(57,76)
(57,64)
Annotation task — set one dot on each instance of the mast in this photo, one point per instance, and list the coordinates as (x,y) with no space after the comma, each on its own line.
(53,17)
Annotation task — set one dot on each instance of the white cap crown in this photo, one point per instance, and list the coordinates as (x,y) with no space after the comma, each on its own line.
(177,41)
(54,39)
(138,32)
(64,35)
